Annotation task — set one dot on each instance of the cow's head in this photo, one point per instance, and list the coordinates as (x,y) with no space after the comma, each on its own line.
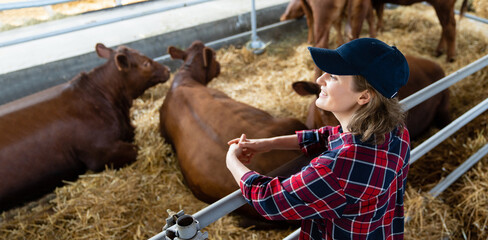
(201,61)
(139,72)
(294,10)
(316,117)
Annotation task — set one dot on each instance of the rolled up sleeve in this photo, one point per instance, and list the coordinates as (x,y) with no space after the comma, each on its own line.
(313,141)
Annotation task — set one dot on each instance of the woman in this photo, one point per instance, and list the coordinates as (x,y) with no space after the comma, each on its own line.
(354,189)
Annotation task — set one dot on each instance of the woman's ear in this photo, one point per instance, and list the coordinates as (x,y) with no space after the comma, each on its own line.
(365,97)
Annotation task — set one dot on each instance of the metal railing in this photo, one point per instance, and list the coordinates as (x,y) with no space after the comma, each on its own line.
(100,23)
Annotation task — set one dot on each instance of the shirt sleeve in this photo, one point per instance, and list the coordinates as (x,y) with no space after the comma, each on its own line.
(313,141)
(312,193)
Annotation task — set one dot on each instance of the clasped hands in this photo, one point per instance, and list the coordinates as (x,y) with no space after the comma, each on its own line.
(244,149)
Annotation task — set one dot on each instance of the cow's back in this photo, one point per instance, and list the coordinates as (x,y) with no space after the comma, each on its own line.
(207,120)
(43,141)
(434,110)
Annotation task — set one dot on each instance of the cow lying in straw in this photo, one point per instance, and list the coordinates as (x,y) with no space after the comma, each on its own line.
(199,121)
(61,132)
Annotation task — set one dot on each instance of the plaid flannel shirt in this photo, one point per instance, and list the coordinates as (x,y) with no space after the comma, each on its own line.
(352,190)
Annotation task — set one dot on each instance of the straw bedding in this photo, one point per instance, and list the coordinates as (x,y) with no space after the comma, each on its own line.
(132,202)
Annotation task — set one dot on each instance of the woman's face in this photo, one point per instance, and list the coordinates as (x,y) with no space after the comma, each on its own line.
(337,94)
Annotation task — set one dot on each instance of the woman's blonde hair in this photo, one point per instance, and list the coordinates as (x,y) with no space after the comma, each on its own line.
(377,117)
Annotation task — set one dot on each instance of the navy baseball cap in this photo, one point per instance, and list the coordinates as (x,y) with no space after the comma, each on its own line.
(383,66)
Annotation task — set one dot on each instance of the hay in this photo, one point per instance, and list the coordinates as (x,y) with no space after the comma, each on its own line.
(481,8)
(131,203)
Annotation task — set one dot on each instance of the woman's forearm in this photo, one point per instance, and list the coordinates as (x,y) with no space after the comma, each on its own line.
(287,142)
(236,167)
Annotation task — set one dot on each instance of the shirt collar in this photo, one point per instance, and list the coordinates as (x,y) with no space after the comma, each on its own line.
(337,137)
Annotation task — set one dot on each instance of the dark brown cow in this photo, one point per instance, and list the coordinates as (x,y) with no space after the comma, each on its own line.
(423,72)
(445,14)
(61,132)
(199,121)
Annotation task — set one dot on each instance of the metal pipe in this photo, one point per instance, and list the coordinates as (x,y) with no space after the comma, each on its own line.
(294,235)
(453,176)
(473,17)
(447,131)
(431,90)
(98,23)
(211,213)
(217,43)
(254,36)
(220,208)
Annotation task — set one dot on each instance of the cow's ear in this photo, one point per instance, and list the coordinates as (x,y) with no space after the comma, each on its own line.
(122,62)
(176,53)
(304,88)
(102,51)
(207,56)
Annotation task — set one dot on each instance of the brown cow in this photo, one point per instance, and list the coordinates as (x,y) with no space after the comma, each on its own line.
(61,132)
(423,72)
(199,121)
(294,10)
(355,10)
(445,14)
(323,14)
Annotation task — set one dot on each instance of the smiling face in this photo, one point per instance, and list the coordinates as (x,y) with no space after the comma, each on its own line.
(338,96)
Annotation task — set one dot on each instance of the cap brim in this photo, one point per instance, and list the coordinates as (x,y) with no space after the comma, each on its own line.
(330,61)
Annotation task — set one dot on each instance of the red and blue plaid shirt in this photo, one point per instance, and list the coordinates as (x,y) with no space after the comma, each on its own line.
(352,190)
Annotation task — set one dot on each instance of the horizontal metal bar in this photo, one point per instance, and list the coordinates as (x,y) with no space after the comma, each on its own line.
(442,84)
(473,17)
(220,208)
(452,177)
(447,131)
(159,236)
(228,40)
(294,235)
(30,4)
(99,23)
(211,213)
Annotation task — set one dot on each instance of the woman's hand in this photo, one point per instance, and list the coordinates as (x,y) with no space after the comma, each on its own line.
(249,147)
(237,148)
(236,156)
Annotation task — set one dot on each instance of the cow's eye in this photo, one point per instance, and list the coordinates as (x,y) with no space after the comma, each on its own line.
(147,64)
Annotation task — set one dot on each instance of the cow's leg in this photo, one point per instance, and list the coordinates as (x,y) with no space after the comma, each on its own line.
(357,12)
(117,155)
(321,41)
(370,19)
(340,37)
(323,21)
(445,14)
(309,15)
(380,8)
